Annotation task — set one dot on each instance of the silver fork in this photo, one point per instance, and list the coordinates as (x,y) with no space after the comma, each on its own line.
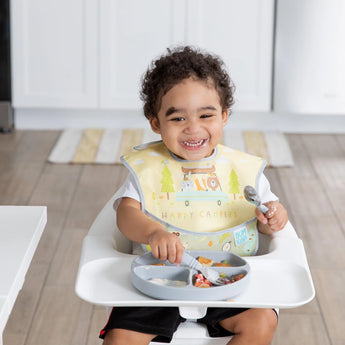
(209,273)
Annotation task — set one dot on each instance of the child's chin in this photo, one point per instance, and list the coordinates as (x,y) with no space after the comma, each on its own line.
(195,155)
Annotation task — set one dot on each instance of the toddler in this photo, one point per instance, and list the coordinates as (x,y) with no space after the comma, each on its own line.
(186,192)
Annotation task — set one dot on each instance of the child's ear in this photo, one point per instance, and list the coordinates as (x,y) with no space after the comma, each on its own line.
(154,122)
(225,116)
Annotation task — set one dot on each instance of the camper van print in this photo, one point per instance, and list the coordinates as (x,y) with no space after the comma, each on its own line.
(201,184)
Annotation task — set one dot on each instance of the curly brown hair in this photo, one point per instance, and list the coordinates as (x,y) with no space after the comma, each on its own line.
(181,63)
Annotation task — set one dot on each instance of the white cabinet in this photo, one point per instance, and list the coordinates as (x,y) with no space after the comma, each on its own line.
(132,33)
(54,53)
(91,54)
(241,32)
(310,56)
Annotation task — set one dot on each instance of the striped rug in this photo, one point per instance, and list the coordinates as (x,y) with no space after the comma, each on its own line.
(105,146)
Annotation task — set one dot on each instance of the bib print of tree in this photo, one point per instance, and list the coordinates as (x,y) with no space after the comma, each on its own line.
(167,181)
(234,185)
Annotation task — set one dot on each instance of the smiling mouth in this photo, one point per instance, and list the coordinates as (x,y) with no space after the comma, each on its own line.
(194,144)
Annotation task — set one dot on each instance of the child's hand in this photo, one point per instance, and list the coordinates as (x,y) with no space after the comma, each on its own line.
(275,218)
(166,246)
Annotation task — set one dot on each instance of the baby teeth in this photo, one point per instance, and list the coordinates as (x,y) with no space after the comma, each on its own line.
(194,143)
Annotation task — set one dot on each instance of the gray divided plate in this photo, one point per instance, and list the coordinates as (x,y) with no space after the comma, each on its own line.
(143,269)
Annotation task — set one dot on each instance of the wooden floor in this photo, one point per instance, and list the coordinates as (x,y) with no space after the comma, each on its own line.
(48,312)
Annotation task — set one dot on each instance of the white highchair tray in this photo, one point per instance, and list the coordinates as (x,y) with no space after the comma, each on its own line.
(281,278)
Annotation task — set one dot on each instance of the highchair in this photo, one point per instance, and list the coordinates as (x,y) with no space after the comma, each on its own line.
(280,277)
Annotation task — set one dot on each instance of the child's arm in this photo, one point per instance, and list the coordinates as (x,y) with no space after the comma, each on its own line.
(138,227)
(274,220)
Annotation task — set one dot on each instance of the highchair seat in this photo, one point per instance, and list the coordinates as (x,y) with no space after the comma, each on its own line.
(280,277)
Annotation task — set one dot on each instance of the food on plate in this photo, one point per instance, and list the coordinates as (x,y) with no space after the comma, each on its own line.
(208,262)
(205,261)
(222,264)
(168,282)
(200,280)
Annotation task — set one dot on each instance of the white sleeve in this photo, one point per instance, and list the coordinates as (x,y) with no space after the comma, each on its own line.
(128,190)
(264,190)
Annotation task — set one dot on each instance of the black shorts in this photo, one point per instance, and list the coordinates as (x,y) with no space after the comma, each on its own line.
(164,321)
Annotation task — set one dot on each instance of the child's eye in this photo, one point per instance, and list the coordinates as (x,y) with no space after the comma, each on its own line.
(177,119)
(205,116)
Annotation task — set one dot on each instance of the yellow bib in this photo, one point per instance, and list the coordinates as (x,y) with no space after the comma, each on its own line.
(200,201)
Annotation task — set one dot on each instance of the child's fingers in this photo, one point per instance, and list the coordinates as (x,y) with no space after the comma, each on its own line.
(155,252)
(273,223)
(272,209)
(278,217)
(275,218)
(163,252)
(280,221)
(260,216)
(166,246)
(175,251)
(171,252)
(179,253)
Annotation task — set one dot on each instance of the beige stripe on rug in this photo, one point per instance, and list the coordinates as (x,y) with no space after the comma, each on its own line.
(88,146)
(256,144)
(105,146)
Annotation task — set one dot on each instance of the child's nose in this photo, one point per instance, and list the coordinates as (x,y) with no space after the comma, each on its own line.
(192,127)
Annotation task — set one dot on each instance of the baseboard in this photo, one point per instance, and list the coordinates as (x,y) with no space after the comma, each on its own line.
(285,122)
(6,116)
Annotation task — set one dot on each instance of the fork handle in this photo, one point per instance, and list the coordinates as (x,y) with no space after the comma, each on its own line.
(262,208)
(190,261)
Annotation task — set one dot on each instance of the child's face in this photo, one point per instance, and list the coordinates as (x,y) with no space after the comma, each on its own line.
(190,120)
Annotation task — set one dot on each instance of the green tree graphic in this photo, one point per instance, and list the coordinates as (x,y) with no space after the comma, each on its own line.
(167,180)
(234,186)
